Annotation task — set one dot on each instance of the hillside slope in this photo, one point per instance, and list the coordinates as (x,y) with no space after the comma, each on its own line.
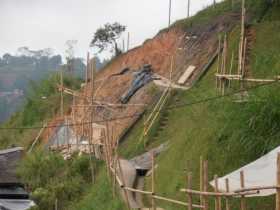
(197,122)
(219,129)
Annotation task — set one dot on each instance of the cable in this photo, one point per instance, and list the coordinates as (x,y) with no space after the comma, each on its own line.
(139,114)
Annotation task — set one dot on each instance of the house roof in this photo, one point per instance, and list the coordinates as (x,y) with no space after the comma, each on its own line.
(9,159)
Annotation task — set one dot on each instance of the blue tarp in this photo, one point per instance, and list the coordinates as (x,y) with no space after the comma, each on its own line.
(141,78)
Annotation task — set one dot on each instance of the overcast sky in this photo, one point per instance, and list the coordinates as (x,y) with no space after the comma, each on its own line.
(49,23)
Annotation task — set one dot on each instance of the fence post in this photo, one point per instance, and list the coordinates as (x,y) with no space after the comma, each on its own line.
(278,183)
(153,181)
(205,184)
(189,186)
(227,190)
(242,184)
(123,182)
(201,179)
(218,198)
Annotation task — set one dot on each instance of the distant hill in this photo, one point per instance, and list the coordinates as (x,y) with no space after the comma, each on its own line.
(16,72)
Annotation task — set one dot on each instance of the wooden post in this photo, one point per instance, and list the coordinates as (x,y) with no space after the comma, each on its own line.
(217,198)
(189,186)
(205,184)
(227,190)
(153,181)
(278,183)
(242,184)
(201,179)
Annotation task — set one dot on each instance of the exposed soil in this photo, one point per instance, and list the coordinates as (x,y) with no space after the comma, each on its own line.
(195,46)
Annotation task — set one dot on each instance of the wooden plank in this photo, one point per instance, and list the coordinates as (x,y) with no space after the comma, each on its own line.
(187,74)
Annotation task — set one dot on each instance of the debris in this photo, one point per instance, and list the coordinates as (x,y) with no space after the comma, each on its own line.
(141,78)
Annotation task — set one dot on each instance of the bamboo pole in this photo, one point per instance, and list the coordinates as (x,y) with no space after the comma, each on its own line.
(87,69)
(189,186)
(107,149)
(278,183)
(242,184)
(157,197)
(241,44)
(153,181)
(218,65)
(201,179)
(122,180)
(128,37)
(56,204)
(217,198)
(205,184)
(224,63)
(205,193)
(231,67)
(244,58)
(227,190)
(61,94)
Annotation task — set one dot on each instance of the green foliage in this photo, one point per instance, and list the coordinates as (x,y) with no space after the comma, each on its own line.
(99,196)
(43,99)
(50,177)
(255,125)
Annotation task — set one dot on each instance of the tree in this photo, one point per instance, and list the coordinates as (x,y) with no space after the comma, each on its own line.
(107,36)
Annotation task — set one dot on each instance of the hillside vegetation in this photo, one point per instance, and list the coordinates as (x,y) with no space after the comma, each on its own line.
(226,133)
(197,122)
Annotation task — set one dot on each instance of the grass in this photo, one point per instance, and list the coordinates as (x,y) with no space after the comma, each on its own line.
(229,135)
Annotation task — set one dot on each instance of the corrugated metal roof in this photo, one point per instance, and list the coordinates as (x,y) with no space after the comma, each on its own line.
(9,159)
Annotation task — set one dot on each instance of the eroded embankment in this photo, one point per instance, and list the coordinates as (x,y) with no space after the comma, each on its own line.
(193,46)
